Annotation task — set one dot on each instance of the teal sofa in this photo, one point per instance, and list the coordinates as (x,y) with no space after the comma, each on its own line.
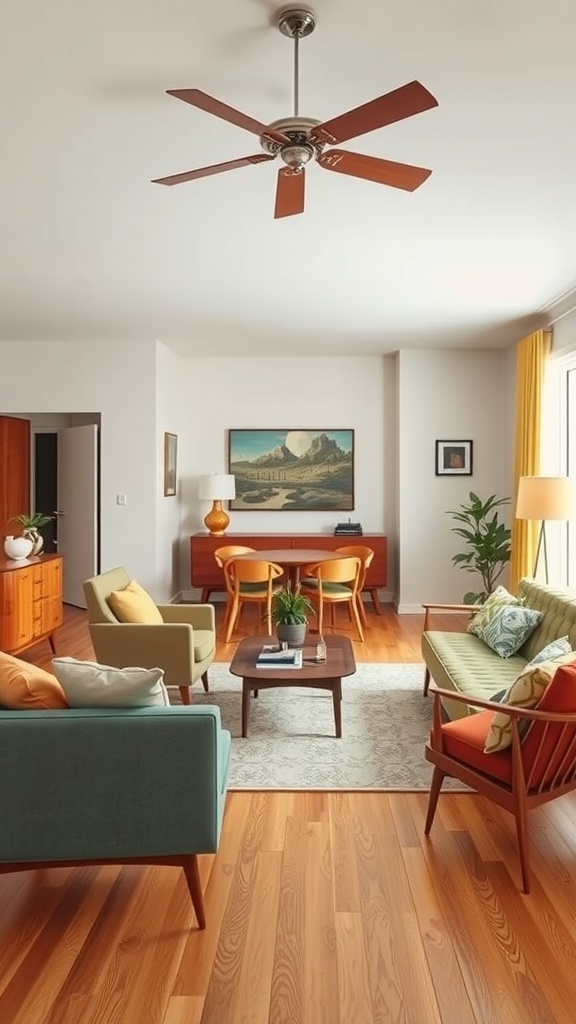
(113,785)
(464,663)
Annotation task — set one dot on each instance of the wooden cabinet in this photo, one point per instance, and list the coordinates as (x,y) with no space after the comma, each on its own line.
(30,601)
(205,574)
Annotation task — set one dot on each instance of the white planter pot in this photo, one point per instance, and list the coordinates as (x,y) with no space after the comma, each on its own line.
(18,547)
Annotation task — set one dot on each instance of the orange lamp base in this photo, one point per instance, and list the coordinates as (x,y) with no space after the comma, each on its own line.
(217,520)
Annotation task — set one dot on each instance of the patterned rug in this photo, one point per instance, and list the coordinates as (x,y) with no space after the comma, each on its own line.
(291,742)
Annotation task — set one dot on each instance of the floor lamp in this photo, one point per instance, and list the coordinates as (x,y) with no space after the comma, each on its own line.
(542,498)
(217,487)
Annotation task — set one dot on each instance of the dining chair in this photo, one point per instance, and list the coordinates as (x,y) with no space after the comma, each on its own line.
(333,582)
(366,555)
(221,556)
(249,582)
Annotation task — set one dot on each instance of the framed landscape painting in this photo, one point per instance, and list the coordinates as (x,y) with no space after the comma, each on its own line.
(292,470)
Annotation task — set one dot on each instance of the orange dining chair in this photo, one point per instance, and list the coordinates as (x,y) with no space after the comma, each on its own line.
(221,556)
(332,582)
(538,766)
(366,555)
(250,582)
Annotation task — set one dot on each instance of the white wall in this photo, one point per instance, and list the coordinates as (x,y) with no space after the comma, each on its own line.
(311,393)
(446,395)
(172,416)
(118,381)
(397,405)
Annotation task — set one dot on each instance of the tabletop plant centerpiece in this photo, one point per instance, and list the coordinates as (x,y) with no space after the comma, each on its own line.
(30,528)
(290,610)
(488,542)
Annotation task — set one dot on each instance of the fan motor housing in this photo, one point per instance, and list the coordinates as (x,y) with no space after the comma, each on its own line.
(301,148)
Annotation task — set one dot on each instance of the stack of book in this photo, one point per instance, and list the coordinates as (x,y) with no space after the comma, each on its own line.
(279,659)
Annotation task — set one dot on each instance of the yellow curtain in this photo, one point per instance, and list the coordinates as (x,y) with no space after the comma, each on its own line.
(531,355)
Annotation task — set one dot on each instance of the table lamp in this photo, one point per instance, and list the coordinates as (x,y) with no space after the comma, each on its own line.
(217,487)
(542,498)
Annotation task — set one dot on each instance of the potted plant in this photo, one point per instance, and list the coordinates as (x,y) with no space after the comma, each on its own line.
(488,542)
(290,611)
(30,527)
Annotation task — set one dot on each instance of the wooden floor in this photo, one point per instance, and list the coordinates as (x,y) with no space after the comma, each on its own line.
(322,908)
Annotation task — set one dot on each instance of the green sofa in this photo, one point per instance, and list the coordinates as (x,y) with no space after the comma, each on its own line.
(113,785)
(462,662)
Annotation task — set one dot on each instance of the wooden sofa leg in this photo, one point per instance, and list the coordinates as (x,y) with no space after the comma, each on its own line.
(521,815)
(205,681)
(426,681)
(437,780)
(190,866)
(185,694)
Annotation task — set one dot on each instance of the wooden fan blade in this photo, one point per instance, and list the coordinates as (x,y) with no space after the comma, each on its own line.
(203,172)
(289,192)
(409,99)
(383,172)
(213,106)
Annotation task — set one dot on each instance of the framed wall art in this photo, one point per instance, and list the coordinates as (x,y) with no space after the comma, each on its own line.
(453,458)
(292,470)
(170,453)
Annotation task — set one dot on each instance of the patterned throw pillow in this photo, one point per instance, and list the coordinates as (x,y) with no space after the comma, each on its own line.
(499,598)
(509,628)
(525,692)
(552,650)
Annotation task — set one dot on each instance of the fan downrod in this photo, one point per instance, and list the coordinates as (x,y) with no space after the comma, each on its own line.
(296,22)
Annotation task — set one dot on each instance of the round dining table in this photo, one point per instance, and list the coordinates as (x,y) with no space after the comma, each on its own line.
(291,559)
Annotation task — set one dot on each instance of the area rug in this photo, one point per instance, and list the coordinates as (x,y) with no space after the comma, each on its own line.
(291,742)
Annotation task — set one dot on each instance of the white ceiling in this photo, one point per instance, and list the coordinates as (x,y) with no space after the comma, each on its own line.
(92,250)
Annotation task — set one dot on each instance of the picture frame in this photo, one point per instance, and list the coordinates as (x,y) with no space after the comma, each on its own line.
(454,458)
(292,469)
(170,464)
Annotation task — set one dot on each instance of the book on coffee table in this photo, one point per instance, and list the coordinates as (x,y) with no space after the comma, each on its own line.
(279,659)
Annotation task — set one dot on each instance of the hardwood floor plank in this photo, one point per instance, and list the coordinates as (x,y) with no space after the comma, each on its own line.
(321,1005)
(184,1010)
(288,994)
(355,1003)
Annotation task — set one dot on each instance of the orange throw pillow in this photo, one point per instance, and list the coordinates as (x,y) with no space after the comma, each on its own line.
(25,687)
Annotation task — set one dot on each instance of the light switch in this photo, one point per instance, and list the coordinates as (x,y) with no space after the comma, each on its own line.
(121,499)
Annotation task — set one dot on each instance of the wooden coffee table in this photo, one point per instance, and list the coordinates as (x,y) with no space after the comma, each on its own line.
(319,675)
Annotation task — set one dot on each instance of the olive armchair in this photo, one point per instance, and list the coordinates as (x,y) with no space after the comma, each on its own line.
(183,644)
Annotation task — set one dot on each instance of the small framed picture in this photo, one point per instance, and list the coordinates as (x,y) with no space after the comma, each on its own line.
(453,458)
(170,452)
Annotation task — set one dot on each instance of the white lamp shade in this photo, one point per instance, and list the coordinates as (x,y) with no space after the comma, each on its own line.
(544,497)
(217,487)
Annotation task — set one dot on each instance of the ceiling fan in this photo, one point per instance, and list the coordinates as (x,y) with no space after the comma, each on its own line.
(298,140)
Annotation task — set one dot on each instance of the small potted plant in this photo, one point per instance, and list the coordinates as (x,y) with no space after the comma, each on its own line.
(30,528)
(290,610)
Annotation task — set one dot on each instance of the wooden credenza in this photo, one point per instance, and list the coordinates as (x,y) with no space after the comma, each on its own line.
(30,601)
(205,574)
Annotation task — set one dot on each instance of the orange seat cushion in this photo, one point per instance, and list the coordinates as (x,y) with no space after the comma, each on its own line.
(465,738)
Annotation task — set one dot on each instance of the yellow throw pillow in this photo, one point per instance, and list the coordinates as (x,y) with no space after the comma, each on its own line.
(134,604)
(525,692)
(25,687)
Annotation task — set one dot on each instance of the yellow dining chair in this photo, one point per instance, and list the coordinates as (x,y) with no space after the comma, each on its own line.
(366,555)
(250,582)
(333,582)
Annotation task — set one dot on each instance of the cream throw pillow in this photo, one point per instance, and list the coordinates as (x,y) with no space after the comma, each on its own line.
(525,692)
(90,685)
(134,604)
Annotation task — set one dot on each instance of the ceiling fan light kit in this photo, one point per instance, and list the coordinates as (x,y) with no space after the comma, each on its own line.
(300,140)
